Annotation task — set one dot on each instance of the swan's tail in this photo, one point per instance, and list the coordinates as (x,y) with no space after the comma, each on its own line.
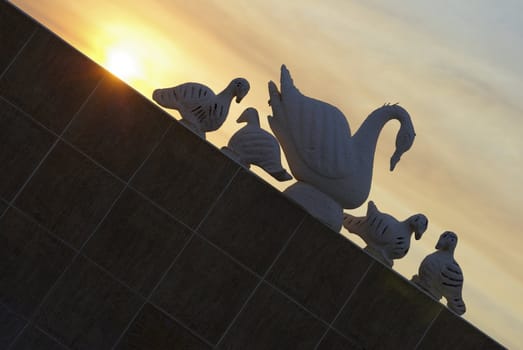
(286,82)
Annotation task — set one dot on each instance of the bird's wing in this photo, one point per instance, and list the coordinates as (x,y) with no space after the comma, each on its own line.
(451,277)
(191,96)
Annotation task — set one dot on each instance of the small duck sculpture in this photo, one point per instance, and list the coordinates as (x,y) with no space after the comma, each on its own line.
(201,109)
(253,145)
(316,139)
(387,238)
(440,275)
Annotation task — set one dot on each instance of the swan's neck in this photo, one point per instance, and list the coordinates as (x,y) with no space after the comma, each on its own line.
(366,138)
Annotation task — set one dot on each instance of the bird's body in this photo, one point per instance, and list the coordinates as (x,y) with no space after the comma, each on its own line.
(386,237)
(317,141)
(253,145)
(201,109)
(441,276)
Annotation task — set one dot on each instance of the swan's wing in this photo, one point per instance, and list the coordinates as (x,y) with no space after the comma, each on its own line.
(319,131)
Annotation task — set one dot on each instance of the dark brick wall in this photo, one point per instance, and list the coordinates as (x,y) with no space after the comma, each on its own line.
(121,229)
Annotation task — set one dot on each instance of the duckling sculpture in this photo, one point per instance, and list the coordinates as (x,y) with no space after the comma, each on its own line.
(387,238)
(317,142)
(201,110)
(253,145)
(440,275)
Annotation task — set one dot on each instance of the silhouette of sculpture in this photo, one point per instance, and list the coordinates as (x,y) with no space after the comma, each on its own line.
(253,145)
(201,110)
(387,238)
(317,142)
(440,275)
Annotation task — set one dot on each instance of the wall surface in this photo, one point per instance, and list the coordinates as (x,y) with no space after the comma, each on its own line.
(120,229)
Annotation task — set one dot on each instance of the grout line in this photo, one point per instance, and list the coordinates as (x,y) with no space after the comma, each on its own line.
(53,146)
(32,318)
(262,279)
(82,106)
(428,328)
(153,149)
(20,51)
(216,201)
(179,322)
(35,170)
(331,324)
(56,340)
(27,115)
(125,187)
(151,293)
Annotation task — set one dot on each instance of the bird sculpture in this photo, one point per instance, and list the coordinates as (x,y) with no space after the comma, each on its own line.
(440,275)
(253,145)
(201,109)
(387,238)
(317,142)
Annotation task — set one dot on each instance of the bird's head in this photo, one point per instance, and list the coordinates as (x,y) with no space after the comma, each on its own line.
(447,241)
(249,115)
(418,224)
(241,88)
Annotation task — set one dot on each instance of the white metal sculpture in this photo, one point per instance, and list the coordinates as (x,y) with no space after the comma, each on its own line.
(251,145)
(387,238)
(316,138)
(317,141)
(440,275)
(201,109)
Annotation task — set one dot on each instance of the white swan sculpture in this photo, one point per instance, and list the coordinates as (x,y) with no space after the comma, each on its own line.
(253,145)
(201,110)
(317,141)
(387,238)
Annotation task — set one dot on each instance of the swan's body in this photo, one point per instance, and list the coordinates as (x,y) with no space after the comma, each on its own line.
(387,238)
(253,145)
(319,147)
(440,275)
(201,109)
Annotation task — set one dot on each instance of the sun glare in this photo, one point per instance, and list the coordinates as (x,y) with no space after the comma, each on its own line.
(123,64)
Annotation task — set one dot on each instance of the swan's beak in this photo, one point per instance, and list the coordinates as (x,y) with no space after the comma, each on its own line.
(394,160)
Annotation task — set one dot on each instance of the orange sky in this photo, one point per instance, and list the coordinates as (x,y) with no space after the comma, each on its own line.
(458,73)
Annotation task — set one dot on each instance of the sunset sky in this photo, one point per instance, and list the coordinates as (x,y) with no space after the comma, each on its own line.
(454,65)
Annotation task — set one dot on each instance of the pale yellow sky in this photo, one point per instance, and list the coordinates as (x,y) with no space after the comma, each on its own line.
(455,66)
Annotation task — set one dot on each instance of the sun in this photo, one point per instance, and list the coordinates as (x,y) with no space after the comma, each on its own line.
(123,64)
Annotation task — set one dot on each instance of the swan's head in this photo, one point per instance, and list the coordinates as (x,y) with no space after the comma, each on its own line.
(418,224)
(250,115)
(241,88)
(405,136)
(447,241)
(404,141)
(164,97)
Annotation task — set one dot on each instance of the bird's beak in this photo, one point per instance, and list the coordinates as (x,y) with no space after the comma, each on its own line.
(240,96)
(243,117)
(417,235)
